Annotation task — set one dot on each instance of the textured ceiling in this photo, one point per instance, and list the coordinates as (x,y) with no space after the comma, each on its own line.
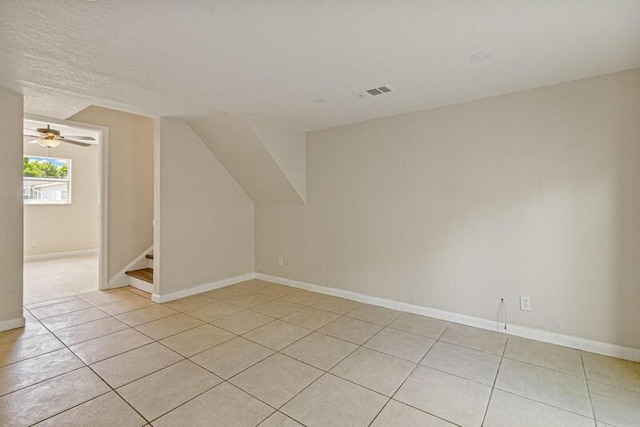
(273,58)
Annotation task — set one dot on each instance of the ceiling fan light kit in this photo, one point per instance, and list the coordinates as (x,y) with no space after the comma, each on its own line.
(51,138)
(49,142)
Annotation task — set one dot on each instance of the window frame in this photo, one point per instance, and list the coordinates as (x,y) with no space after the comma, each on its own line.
(35,202)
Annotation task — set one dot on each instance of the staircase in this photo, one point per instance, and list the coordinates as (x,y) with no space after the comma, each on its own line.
(142,278)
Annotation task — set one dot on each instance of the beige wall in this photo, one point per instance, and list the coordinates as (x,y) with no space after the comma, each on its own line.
(63,228)
(535,193)
(265,176)
(204,219)
(11,112)
(287,147)
(130,210)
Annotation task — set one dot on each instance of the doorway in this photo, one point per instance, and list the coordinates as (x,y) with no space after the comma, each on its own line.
(64,196)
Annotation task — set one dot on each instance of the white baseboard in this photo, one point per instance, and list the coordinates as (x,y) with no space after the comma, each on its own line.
(121,279)
(6,325)
(59,255)
(201,288)
(608,349)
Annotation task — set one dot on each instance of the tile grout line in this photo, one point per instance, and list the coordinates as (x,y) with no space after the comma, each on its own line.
(408,376)
(358,346)
(472,348)
(102,379)
(88,321)
(244,332)
(454,375)
(172,335)
(72,407)
(586,380)
(545,404)
(79,298)
(48,302)
(33,357)
(504,357)
(223,342)
(144,376)
(186,313)
(227,380)
(107,335)
(536,400)
(383,327)
(72,312)
(145,323)
(47,379)
(205,321)
(231,332)
(324,372)
(495,380)
(221,382)
(256,363)
(284,415)
(96,374)
(545,367)
(226,341)
(90,339)
(177,312)
(187,401)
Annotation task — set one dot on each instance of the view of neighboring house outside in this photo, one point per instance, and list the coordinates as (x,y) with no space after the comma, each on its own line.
(46,180)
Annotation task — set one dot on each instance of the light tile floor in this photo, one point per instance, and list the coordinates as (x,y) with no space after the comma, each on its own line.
(257,353)
(56,278)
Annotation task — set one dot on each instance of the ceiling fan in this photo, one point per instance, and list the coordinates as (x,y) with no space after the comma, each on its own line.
(51,138)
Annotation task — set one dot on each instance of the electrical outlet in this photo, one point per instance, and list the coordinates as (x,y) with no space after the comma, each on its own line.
(525,303)
(34,243)
(281,261)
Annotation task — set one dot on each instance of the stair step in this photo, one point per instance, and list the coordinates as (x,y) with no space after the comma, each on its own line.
(149,256)
(145,274)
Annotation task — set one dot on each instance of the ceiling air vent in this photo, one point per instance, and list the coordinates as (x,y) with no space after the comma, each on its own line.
(379,90)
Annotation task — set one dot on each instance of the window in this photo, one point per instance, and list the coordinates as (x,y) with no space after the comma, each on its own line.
(46,181)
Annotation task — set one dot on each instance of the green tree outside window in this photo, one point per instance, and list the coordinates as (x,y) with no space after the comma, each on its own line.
(39,167)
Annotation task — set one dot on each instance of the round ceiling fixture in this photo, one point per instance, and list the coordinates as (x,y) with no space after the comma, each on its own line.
(49,142)
(480,56)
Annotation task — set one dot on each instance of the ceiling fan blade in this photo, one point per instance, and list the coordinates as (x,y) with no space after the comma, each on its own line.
(26,131)
(80,138)
(30,139)
(71,141)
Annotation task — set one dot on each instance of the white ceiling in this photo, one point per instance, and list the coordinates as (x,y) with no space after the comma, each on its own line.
(272,58)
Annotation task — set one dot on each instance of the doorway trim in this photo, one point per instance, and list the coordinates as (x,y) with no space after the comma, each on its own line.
(103,188)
